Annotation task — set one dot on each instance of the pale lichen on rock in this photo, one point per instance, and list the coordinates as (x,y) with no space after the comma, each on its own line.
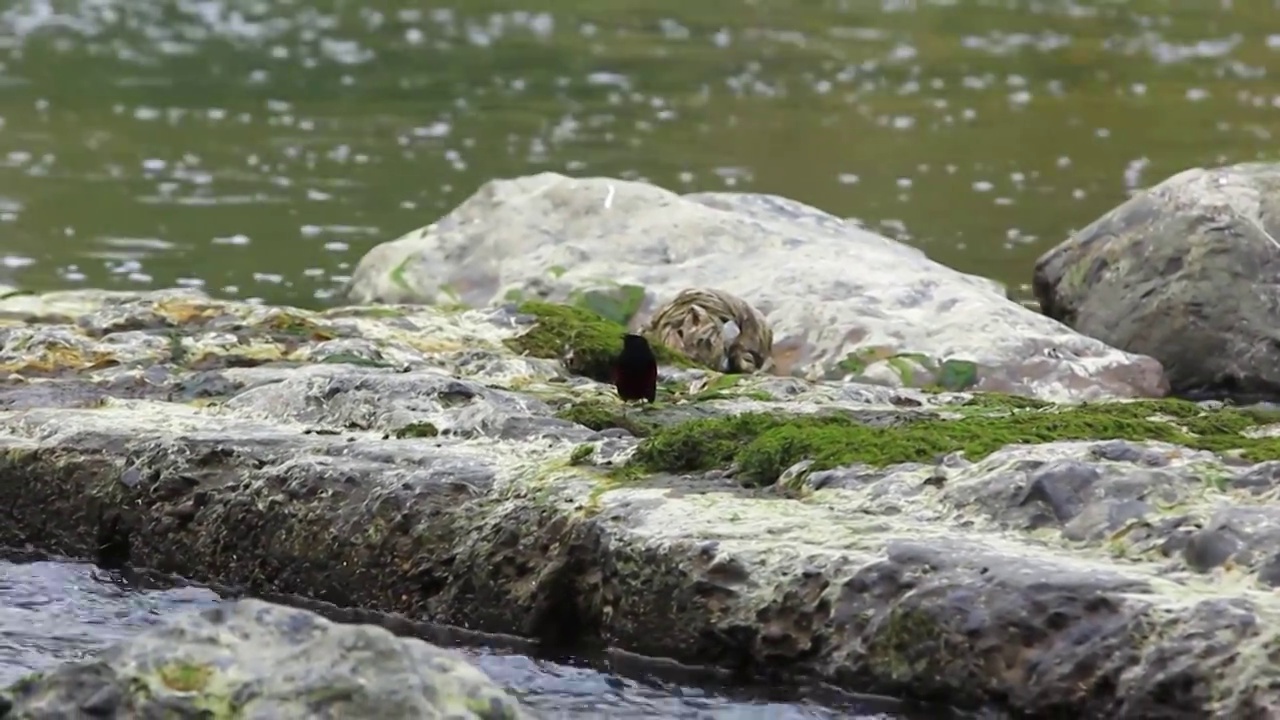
(1104,560)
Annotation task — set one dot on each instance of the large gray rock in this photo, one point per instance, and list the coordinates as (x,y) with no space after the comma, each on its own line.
(405,459)
(258,661)
(843,302)
(1183,272)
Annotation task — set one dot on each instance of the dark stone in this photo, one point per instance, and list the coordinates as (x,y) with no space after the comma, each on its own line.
(103,703)
(1210,548)
(1260,478)
(205,384)
(1125,451)
(1269,570)
(1122,513)
(1062,486)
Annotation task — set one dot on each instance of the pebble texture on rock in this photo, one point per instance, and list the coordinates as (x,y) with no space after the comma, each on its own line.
(843,303)
(1184,272)
(254,660)
(405,459)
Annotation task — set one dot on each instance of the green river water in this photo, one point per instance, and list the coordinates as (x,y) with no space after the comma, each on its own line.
(258,148)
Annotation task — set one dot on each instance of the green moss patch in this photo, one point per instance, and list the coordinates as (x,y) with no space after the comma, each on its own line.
(185,677)
(294,326)
(617,304)
(417,430)
(957,375)
(398,274)
(954,375)
(602,416)
(587,341)
(764,445)
(1002,401)
(580,454)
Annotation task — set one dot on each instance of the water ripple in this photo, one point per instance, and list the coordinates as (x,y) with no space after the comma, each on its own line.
(320,128)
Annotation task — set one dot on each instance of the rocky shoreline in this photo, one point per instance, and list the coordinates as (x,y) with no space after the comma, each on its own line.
(1101,560)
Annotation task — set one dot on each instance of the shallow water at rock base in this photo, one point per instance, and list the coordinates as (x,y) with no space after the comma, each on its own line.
(57,612)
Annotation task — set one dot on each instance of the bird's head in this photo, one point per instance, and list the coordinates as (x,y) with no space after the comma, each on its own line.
(633,340)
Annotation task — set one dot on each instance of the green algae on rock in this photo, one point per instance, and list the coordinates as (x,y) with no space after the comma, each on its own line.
(587,342)
(601,415)
(763,445)
(1004,401)
(250,658)
(417,430)
(910,369)
(616,303)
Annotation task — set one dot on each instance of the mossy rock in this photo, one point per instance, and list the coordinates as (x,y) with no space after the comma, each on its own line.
(616,304)
(949,375)
(417,430)
(185,677)
(585,341)
(763,445)
(599,416)
(1004,401)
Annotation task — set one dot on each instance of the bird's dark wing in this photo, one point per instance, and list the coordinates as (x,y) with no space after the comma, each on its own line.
(651,386)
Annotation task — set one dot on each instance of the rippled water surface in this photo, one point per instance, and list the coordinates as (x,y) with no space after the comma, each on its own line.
(58,612)
(260,147)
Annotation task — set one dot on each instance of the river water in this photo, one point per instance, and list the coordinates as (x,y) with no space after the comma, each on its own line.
(53,612)
(258,148)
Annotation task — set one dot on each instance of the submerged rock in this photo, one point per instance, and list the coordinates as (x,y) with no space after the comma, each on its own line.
(1111,560)
(1176,273)
(252,659)
(842,302)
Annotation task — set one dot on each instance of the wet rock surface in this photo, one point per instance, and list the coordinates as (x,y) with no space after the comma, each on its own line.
(252,659)
(406,459)
(842,302)
(1177,269)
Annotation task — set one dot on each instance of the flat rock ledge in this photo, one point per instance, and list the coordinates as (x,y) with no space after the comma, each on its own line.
(255,660)
(1111,560)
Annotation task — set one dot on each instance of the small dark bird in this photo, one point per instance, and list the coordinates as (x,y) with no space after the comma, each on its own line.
(635,370)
